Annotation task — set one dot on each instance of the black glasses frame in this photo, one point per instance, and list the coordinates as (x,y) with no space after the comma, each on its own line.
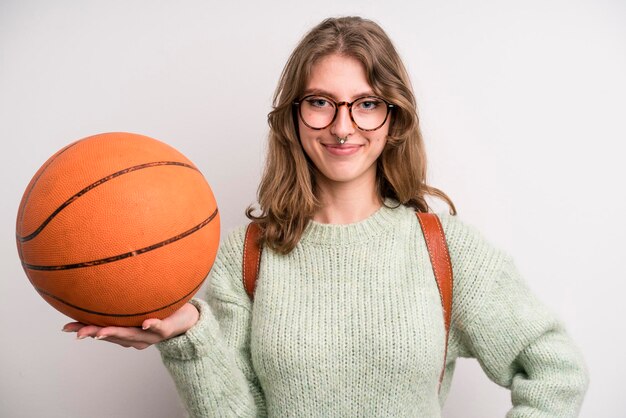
(349,105)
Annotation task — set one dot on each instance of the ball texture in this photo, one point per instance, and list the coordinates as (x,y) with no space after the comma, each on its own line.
(117,228)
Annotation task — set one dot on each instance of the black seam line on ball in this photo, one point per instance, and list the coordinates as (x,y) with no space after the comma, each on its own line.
(96,184)
(124,255)
(43,170)
(42,292)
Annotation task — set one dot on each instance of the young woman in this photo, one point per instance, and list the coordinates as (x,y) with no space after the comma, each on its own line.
(347,318)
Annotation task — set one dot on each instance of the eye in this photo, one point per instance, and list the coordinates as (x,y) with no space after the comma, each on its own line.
(369,103)
(319,102)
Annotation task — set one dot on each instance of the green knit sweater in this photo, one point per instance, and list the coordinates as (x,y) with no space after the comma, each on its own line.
(350,324)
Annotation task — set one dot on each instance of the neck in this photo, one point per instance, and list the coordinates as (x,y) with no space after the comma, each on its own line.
(346,203)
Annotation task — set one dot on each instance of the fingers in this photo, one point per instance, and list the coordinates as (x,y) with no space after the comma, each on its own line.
(130,334)
(87,331)
(165,328)
(123,336)
(179,322)
(72,326)
(176,324)
(153,325)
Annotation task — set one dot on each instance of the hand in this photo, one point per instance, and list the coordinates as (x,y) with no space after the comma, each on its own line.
(151,332)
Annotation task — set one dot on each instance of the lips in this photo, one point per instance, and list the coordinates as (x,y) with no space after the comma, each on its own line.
(342,150)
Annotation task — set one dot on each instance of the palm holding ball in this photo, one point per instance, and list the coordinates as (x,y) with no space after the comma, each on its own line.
(120,230)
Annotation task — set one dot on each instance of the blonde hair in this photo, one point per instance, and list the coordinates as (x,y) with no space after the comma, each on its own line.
(287,192)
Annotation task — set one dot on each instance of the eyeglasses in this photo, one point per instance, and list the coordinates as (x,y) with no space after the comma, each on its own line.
(367,113)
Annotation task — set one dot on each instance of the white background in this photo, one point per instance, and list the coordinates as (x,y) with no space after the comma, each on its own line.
(522,107)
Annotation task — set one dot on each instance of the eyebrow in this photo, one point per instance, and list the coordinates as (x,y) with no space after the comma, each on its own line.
(322,92)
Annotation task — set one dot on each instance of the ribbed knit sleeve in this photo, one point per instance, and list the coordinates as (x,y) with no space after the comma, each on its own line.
(519,343)
(210,364)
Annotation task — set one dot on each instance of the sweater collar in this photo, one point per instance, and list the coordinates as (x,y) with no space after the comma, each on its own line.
(333,234)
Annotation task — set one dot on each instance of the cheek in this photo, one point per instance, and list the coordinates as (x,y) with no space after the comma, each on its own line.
(380,146)
(381,138)
(379,141)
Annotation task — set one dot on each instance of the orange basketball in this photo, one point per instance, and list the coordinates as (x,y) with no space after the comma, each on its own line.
(117,228)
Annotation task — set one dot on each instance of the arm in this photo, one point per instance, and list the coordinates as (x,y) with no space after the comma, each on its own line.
(521,346)
(211,364)
(518,342)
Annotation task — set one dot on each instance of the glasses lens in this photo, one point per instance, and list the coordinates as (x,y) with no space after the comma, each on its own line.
(369,112)
(317,111)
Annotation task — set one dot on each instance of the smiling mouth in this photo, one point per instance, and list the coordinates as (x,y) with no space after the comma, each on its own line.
(344,149)
(341,145)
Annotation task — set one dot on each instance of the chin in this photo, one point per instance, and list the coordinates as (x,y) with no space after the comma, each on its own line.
(341,177)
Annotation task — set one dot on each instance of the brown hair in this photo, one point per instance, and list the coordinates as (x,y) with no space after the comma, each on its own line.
(287,192)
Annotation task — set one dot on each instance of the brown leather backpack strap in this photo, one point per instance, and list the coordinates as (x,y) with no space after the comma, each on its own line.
(251,258)
(442,267)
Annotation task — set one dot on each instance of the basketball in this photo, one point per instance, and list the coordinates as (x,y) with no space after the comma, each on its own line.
(117,228)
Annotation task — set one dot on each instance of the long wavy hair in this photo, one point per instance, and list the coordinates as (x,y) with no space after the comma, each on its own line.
(287,194)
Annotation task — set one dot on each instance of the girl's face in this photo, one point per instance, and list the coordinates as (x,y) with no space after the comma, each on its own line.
(342,78)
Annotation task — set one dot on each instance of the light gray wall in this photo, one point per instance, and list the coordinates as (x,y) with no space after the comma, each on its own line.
(522,106)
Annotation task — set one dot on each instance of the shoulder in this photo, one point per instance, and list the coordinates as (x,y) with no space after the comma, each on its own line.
(476,263)
(469,249)
(466,243)
(225,278)
(231,247)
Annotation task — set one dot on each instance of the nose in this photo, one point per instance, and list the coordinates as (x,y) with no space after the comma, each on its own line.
(342,125)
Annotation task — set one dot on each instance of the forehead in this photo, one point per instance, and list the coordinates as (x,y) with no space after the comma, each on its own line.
(338,76)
